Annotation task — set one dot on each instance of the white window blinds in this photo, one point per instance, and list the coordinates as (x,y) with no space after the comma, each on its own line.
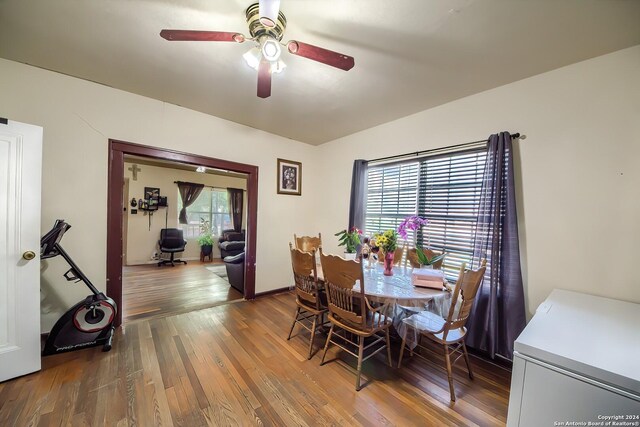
(449,197)
(444,189)
(392,192)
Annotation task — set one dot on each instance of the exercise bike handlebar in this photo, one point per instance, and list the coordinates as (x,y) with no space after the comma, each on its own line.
(50,247)
(52,238)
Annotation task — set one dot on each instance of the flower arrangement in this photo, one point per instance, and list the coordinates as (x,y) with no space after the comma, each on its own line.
(349,239)
(387,240)
(411,223)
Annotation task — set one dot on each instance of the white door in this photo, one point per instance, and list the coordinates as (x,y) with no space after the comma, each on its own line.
(20,172)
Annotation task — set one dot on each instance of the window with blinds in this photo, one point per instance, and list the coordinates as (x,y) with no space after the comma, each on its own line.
(392,195)
(449,198)
(444,189)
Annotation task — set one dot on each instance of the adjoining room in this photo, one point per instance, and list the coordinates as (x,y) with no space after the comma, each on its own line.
(171,267)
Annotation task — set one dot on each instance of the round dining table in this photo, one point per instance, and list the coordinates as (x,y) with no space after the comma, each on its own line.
(403,298)
(396,289)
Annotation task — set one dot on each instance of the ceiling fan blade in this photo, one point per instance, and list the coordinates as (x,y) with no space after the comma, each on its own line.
(264,79)
(268,11)
(201,36)
(326,56)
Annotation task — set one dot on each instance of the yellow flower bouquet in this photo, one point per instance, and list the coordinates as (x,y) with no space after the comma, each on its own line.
(387,240)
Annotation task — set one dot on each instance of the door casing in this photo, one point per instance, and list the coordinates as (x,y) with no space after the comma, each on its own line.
(117,151)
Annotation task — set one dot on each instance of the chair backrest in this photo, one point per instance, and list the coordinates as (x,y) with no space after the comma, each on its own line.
(340,276)
(308,243)
(231,235)
(305,275)
(171,238)
(466,289)
(412,258)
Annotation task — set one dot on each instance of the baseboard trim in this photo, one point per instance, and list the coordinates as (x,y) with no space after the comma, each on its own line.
(273,292)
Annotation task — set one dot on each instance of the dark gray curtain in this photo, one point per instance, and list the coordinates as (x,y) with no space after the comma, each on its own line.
(358,190)
(498,314)
(189,192)
(235,207)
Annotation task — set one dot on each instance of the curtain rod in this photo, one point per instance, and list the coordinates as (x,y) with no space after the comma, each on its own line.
(211,186)
(419,153)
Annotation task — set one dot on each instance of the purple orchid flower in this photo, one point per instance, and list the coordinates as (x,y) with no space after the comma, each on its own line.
(412,223)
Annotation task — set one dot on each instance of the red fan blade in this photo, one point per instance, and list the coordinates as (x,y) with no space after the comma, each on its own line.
(319,54)
(201,36)
(264,79)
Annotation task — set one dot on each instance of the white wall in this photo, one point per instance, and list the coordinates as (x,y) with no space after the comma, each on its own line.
(142,240)
(79,117)
(577,173)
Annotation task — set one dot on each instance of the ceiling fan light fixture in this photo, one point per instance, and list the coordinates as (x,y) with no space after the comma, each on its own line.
(266,25)
(269,10)
(278,66)
(252,57)
(271,50)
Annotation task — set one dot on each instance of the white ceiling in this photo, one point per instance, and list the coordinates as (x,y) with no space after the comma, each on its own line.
(410,55)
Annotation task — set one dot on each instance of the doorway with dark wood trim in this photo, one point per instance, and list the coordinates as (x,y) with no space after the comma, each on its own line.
(115,209)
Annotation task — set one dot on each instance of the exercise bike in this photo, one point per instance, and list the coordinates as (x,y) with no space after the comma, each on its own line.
(89,322)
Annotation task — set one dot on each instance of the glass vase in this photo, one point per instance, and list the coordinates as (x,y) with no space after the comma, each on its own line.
(388,264)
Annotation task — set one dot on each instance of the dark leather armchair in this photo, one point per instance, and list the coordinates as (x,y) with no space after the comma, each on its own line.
(235,271)
(231,243)
(171,241)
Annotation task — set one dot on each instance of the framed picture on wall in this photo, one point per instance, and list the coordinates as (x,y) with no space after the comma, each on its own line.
(289,177)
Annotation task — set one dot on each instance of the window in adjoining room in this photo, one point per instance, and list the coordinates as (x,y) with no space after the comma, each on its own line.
(444,189)
(212,205)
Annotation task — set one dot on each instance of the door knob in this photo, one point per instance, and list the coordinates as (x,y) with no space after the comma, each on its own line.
(29,255)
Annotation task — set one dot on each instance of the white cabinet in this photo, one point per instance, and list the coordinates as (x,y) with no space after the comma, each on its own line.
(577,361)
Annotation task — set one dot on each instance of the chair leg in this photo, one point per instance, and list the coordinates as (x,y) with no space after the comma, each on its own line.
(313,335)
(404,342)
(388,347)
(466,359)
(449,373)
(360,354)
(417,345)
(295,319)
(326,346)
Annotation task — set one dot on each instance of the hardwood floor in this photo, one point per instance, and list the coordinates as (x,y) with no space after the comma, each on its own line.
(152,291)
(232,365)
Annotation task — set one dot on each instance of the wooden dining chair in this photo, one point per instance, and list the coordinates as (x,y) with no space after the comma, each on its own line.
(351,312)
(310,299)
(308,243)
(413,261)
(449,332)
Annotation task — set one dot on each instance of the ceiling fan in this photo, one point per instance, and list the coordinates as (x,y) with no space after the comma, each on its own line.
(266,26)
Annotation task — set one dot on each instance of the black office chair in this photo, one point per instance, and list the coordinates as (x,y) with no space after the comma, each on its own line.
(171,241)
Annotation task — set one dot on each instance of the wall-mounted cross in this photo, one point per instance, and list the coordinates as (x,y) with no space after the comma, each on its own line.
(134,171)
